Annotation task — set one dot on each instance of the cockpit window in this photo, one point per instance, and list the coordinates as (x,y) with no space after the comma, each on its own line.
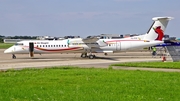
(19,44)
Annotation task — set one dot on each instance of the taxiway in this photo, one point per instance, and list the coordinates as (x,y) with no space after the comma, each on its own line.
(52,60)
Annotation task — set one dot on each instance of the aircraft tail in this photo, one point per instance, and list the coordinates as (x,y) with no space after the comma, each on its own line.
(156,31)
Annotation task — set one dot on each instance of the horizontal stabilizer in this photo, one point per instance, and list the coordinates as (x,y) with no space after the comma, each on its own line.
(160,18)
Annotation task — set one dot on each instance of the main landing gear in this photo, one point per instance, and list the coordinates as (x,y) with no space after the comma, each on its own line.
(13,56)
(91,56)
(84,55)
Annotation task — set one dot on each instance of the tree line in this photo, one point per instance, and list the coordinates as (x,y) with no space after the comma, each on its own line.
(16,37)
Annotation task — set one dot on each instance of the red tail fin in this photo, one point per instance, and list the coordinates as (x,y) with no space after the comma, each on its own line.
(160,33)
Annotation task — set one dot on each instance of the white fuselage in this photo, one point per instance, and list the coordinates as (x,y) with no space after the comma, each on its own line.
(79,46)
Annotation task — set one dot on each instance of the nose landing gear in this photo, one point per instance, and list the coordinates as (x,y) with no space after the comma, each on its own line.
(13,56)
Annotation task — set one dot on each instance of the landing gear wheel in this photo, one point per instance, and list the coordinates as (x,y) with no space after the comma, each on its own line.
(91,56)
(13,56)
(84,55)
(105,54)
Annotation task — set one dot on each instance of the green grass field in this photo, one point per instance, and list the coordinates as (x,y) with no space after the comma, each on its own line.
(5,45)
(175,65)
(76,84)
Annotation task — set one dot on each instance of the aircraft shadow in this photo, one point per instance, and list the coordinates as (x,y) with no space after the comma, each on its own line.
(67,58)
(106,58)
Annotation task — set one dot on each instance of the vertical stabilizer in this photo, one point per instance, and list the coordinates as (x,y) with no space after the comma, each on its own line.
(156,31)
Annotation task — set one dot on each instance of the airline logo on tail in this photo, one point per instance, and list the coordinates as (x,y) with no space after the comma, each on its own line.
(160,33)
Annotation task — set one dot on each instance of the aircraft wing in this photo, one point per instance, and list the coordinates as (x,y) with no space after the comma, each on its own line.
(90,40)
(94,42)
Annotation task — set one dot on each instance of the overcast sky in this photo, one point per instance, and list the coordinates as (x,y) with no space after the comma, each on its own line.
(85,17)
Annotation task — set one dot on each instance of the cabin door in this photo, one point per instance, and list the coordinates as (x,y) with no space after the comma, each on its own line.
(31,49)
(118,45)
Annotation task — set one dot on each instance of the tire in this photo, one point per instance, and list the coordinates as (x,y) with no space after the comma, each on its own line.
(83,55)
(14,57)
(91,56)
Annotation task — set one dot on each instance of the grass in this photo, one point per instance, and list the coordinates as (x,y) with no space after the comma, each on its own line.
(175,65)
(5,45)
(77,84)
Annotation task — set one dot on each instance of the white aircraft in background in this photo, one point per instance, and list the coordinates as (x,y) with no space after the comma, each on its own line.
(93,45)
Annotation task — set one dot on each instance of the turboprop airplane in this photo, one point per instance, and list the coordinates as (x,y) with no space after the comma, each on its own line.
(88,47)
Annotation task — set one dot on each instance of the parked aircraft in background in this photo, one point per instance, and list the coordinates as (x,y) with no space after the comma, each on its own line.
(93,45)
(169,44)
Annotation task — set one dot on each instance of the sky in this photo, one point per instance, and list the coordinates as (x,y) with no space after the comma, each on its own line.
(85,17)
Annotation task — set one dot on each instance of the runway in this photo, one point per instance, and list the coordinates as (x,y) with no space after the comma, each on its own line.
(52,60)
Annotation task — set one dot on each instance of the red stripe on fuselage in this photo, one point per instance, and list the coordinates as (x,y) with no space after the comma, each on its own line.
(54,50)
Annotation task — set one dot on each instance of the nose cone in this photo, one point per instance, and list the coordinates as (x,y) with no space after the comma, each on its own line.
(8,51)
